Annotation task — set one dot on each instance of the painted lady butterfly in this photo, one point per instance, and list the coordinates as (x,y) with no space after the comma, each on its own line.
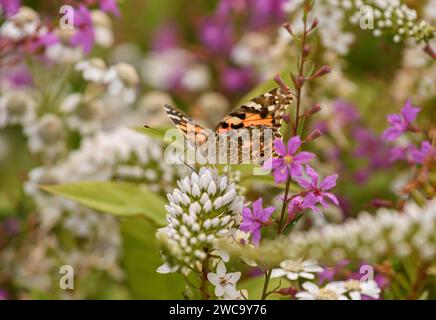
(249,130)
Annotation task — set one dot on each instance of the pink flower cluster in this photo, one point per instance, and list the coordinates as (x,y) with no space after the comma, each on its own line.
(291,165)
(400,124)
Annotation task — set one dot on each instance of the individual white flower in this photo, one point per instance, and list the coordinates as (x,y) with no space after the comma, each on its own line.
(225,283)
(356,288)
(196,77)
(161,69)
(16,107)
(102,28)
(122,80)
(250,49)
(92,70)
(328,292)
(294,269)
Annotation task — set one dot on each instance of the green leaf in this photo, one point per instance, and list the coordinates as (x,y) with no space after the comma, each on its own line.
(117,198)
(141,259)
(157,133)
(177,138)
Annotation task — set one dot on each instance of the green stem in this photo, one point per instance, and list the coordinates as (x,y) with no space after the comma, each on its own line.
(204,282)
(285,201)
(266,283)
(296,125)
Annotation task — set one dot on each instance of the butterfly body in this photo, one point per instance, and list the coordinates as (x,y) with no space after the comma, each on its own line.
(244,135)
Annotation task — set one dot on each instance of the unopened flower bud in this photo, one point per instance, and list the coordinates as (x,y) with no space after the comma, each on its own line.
(286,118)
(300,81)
(321,72)
(314,24)
(288,28)
(127,74)
(291,291)
(313,135)
(306,50)
(312,110)
(430,51)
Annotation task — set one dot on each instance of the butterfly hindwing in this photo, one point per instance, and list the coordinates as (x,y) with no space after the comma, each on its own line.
(262,117)
(265,110)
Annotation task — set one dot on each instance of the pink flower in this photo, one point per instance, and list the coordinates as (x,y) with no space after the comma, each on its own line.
(252,221)
(315,191)
(85,34)
(10,7)
(412,154)
(110,6)
(297,204)
(420,155)
(289,162)
(401,122)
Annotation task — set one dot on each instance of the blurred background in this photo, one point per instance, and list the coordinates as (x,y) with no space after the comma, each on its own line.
(68,106)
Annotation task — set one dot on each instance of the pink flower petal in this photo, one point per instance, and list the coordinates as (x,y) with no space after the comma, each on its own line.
(329,182)
(293,145)
(280,147)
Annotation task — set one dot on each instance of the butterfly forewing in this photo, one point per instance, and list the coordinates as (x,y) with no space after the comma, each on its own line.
(244,135)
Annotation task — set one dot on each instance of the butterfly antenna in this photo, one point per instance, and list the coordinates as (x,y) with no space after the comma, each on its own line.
(180,158)
(150,128)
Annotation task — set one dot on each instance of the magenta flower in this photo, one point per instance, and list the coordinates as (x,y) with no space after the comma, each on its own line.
(10,7)
(46,40)
(297,204)
(315,191)
(266,12)
(412,154)
(345,113)
(85,34)
(370,146)
(289,163)
(110,6)
(252,221)
(401,122)
(237,79)
(420,155)
(216,34)
(398,154)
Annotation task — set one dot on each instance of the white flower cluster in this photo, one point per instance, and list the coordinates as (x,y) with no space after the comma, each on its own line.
(120,79)
(24,23)
(202,210)
(175,68)
(331,26)
(369,237)
(388,17)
